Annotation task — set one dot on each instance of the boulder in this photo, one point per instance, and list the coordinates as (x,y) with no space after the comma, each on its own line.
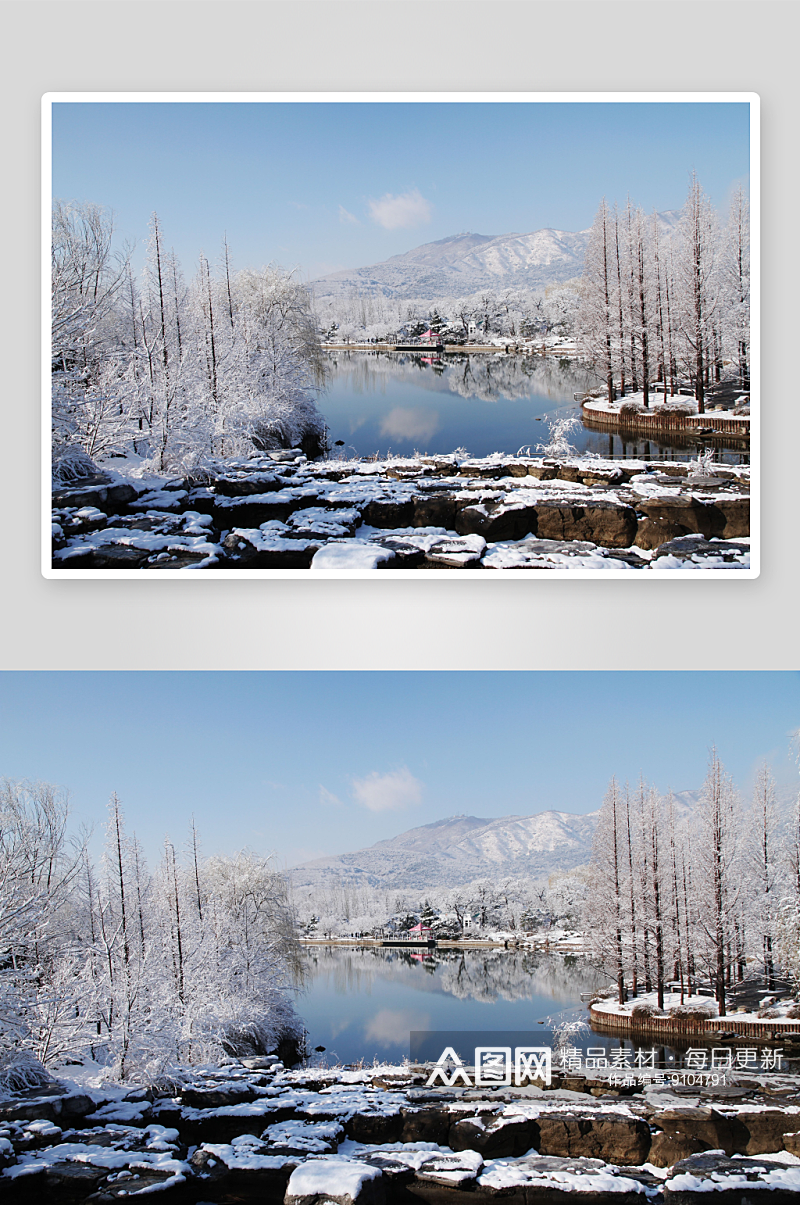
(58,1183)
(59,1106)
(113,556)
(622,1140)
(425,1125)
(739,1181)
(494,1138)
(375,1127)
(462,553)
(666,1149)
(323,523)
(335,1179)
(100,495)
(496,521)
(701,1123)
(251,483)
(541,1179)
(760,1131)
(611,524)
(676,515)
(699,550)
(791,1142)
(434,510)
(219,1095)
(254,510)
(303,1137)
(652,532)
(172,1190)
(729,517)
(480,469)
(390,512)
(251,548)
(243,1170)
(406,555)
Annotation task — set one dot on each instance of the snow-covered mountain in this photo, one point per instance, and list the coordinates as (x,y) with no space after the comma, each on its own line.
(464,263)
(460,849)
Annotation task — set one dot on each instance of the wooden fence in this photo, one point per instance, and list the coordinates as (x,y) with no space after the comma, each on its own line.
(656,423)
(765,1030)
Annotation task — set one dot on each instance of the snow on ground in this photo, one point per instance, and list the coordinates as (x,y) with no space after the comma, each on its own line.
(334,1175)
(321,506)
(672,1000)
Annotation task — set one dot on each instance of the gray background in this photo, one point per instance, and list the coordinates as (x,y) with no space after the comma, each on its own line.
(420,623)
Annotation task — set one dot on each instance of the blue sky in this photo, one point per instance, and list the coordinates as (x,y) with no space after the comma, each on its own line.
(322,186)
(307,763)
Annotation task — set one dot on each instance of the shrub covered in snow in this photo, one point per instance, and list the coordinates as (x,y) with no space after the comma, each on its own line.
(630,408)
(20,1071)
(677,408)
(71,464)
(697,1010)
(645,1009)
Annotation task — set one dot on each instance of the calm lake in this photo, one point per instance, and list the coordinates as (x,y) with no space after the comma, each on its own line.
(405,402)
(364,1002)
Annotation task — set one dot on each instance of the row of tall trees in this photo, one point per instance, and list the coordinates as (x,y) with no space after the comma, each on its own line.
(664,304)
(141,969)
(694,898)
(176,371)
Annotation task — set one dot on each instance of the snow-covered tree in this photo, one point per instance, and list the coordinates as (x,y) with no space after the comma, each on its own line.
(605,908)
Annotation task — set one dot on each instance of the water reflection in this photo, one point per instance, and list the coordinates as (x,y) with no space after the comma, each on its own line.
(379,402)
(363,1002)
(404,422)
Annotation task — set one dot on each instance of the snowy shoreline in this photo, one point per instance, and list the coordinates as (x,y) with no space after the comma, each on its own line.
(661,416)
(608,1016)
(252,1130)
(282,513)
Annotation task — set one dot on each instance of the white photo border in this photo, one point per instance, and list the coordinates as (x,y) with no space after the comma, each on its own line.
(51,98)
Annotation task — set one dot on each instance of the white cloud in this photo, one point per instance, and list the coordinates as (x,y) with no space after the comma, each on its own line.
(347,218)
(390,792)
(407,209)
(327,797)
(391,1025)
(404,422)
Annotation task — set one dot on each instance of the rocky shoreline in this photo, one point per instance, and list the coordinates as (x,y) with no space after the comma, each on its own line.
(282,512)
(253,1131)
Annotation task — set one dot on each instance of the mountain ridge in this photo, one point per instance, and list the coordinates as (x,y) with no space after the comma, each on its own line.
(460,849)
(465,263)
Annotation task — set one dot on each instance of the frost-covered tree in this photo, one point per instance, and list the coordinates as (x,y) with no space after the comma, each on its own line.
(605,907)
(698,285)
(718,882)
(596,317)
(87,277)
(38,868)
(763,867)
(736,283)
(667,304)
(176,373)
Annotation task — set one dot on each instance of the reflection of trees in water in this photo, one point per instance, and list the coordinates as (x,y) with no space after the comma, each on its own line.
(484,975)
(500,975)
(490,377)
(487,376)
